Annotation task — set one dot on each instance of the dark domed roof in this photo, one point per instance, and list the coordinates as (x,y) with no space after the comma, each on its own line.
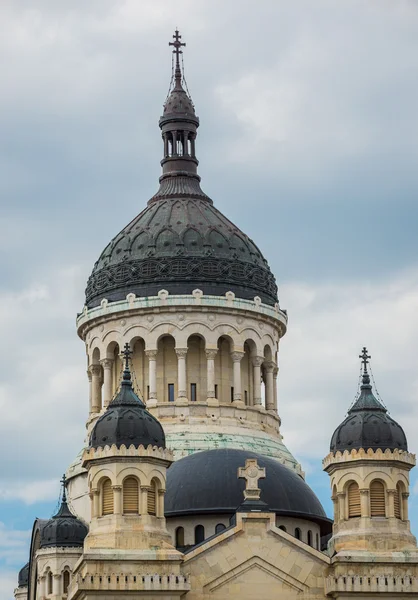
(64,530)
(127,421)
(368,425)
(23,577)
(207,483)
(180,242)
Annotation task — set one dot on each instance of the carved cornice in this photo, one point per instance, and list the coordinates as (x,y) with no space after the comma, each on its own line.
(370,454)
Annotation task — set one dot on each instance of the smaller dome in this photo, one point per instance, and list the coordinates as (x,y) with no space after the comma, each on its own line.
(23,577)
(179,103)
(127,421)
(64,530)
(368,424)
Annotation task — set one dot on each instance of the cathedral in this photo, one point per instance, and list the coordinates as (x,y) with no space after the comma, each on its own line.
(184,488)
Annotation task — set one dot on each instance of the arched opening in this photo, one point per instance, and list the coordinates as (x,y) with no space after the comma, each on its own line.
(247,380)
(310,538)
(377,499)
(180,537)
(317,541)
(219,528)
(49,583)
(224,370)
(65,582)
(152,498)
(283,528)
(353,495)
(107,497)
(196,369)
(130,492)
(298,533)
(398,500)
(199,534)
(167,369)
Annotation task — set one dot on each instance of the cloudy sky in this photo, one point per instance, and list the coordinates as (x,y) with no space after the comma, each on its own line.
(308,142)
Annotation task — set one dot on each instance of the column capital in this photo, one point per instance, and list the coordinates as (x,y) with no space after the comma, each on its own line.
(257,361)
(237,356)
(106,363)
(340,494)
(181,352)
(95,370)
(152,354)
(269,366)
(89,376)
(211,354)
(146,488)
(161,492)
(117,488)
(405,494)
(391,492)
(275,372)
(364,491)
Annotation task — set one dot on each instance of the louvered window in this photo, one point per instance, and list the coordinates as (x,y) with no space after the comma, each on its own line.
(152,499)
(107,498)
(66,581)
(130,496)
(354,508)
(397,498)
(377,499)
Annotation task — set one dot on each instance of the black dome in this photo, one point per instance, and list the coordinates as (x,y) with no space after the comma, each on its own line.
(368,425)
(127,421)
(207,483)
(64,530)
(23,577)
(180,242)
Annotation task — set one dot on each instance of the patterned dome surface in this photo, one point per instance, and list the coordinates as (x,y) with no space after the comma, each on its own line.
(127,421)
(64,530)
(23,577)
(180,243)
(368,425)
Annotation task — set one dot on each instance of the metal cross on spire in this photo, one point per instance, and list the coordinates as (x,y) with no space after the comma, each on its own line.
(126,353)
(177,45)
(364,359)
(64,485)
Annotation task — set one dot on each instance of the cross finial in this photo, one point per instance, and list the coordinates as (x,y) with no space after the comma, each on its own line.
(251,473)
(364,359)
(64,485)
(177,45)
(126,353)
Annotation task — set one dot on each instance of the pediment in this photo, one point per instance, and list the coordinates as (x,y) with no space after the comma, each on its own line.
(256,578)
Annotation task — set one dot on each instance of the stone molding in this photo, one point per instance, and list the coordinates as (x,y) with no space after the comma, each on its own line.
(129,582)
(133,451)
(370,454)
(367,583)
(156,302)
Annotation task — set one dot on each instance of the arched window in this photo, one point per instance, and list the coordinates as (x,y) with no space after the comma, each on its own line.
(354,507)
(130,496)
(282,527)
(152,498)
(199,534)
(107,497)
(377,499)
(49,580)
(220,527)
(180,537)
(310,543)
(298,533)
(317,541)
(398,501)
(65,582)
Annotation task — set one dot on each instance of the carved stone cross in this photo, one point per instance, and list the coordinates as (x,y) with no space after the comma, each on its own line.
(251,473)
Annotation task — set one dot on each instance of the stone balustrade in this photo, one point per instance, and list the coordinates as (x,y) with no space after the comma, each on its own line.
(381,584)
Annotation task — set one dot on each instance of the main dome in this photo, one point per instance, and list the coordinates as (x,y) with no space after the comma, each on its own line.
(180,242)
(206,483)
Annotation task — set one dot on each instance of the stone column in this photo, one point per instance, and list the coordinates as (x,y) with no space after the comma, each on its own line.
(160,503)
(257,362)
(107,364)
(341,505)
(364,502)
(404,513)
(175,143)
(95,504)
(210,357)
(269,368)
(390,511)
(335,506)
(275,374)
(181,374)
(165,146)
(144,499)
(117,499)
(56,585)
(152,374)
(236,360)
(96,388)
(192,143)
(42,586)
(89,376)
